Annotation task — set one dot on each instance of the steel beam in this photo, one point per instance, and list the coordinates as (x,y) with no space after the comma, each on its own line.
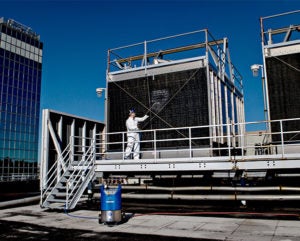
(199,164)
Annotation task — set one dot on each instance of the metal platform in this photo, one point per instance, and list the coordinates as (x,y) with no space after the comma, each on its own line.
(248,151)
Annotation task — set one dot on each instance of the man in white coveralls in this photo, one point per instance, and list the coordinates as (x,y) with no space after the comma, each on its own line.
(133,136)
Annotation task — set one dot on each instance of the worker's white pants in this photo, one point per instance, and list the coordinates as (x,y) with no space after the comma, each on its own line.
(133,144)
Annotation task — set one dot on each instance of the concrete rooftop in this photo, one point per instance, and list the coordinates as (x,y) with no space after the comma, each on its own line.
(34,223)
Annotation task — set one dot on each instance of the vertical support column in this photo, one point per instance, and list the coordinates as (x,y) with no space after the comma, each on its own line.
(221,121)
(242,116)
(265,77)
(145,57)
(282,138)
(104,138)
(233,121)
(190,142)
(45,150)
(226,109)
(210,114)
(222,77)
(83,143)
(103,142)
(228,126)
(238,113)
(60,129)
(242,137)
(231,69)
(59,142)
(94,143)
(123,145)
(72,149)
(213,107)
(217,99)
(155,150)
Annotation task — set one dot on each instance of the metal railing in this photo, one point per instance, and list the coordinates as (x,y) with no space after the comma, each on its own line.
(54,173)
(15,177)
(85,172)
(175,48)
(190,142)
(74,168)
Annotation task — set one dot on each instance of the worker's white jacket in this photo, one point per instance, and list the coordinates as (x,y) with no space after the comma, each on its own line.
(132,125)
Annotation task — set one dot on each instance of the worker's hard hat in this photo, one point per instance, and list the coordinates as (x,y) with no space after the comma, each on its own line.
(131,111)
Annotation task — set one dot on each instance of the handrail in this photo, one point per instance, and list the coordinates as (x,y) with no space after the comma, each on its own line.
(75,180)
(52,172)
(233,141)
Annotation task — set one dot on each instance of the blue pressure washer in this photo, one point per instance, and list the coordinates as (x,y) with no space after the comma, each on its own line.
(111,205)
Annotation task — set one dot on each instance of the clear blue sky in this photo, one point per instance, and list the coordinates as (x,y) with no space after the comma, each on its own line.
(77,35)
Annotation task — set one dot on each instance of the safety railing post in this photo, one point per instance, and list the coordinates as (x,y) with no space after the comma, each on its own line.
(282,137)
(190,142)
(154,143)
(145,56)
(94,150)
(72,149)
(67,194)
(243,147)
(123,145)
(229,140)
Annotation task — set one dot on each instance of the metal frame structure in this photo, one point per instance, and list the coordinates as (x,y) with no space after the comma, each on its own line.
(55,124)
(64,186)
(245,153)
(68,154)
(201,50)
(275,42)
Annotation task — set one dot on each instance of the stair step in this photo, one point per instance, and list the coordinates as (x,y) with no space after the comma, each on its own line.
(61,187)
(60,194)
(54,200)
(56,206)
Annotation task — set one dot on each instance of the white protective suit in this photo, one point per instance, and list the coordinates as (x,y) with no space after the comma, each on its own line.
(133,136)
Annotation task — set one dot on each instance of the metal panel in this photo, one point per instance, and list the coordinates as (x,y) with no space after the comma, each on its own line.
(281,73)
(157,69)
(283,50)
(199,164)
(164,167)
(284,88)
(174,100)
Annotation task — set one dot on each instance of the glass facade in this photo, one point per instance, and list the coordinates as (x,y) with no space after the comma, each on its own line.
(20,88)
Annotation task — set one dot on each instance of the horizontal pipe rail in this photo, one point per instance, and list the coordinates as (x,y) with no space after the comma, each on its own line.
(168,51)
(213,197)
(230,197)
(282,149)
(213,188)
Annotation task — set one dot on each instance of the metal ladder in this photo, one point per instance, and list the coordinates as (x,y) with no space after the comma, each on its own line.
(67,179)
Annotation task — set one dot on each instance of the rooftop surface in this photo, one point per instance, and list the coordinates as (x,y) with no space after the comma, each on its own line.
(32,222)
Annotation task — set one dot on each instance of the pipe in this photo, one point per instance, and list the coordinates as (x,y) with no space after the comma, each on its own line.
(218,197)
(232,197)
(212,188)
(19,201)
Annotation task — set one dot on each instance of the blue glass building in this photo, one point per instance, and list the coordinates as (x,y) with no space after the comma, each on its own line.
(20,88)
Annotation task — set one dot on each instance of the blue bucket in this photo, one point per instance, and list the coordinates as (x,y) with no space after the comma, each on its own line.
(111,204)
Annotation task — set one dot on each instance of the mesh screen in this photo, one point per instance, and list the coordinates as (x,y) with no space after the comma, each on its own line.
(177,99)
(284,89)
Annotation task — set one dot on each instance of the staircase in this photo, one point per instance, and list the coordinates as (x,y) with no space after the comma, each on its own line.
(68,178)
